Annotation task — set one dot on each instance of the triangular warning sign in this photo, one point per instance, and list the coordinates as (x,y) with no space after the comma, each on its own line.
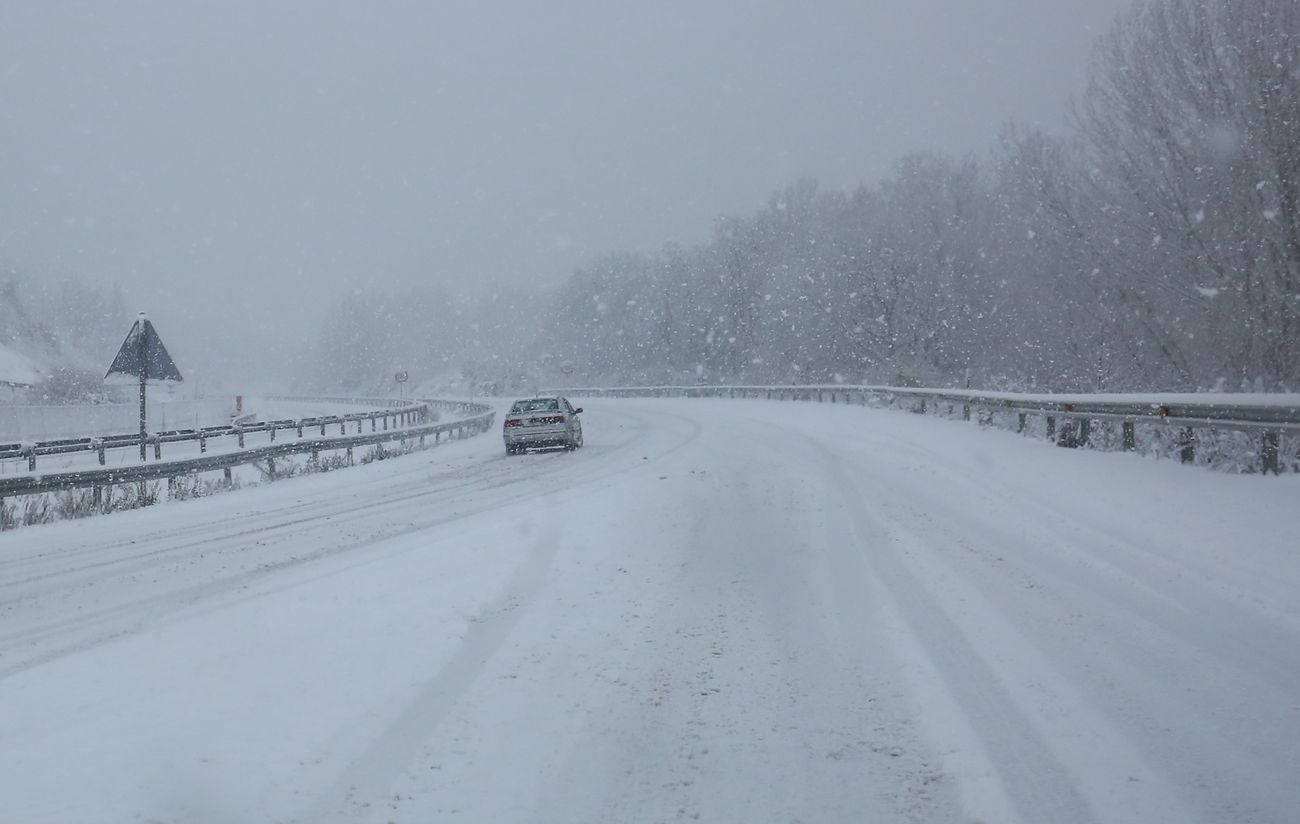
(143,356)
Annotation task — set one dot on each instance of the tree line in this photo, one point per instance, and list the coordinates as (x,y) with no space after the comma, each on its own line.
(1153,245)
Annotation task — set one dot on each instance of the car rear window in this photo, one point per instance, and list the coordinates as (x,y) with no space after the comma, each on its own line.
(536,405)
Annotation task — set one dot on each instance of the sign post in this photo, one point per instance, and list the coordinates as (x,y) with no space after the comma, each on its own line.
(143,357)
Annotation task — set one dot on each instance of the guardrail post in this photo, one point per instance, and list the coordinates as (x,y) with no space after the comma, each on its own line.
(322,430)
(239,430)
(343,427)
(349,456)
(1085,431)
(31,458)
(1268,453)
(272,427)
(97,497)
(157,447)
(965,411)
(103,458)
(300,429)
(373,425)
(1129,436)
(1051,427)
(1021,421)
(230,481)
(1187,444)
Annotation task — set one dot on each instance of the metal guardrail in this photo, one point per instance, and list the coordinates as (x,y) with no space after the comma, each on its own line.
(1075,413)
(407,414)
(480,419)
(457,407)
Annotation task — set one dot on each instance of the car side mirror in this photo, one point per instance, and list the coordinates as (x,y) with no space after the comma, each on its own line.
(578,411)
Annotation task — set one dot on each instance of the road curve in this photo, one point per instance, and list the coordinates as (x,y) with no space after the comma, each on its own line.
(724,611)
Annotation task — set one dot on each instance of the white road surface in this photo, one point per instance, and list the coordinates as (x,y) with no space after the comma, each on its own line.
(717,611)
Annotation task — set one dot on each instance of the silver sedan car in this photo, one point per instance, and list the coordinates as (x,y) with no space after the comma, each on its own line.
(541,422)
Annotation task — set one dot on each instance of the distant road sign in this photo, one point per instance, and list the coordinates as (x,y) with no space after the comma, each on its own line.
(401,377)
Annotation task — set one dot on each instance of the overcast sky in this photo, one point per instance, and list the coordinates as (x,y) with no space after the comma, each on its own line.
(236,155)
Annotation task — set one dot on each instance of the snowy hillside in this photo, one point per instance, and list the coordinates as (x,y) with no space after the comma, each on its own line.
(16,368)
(62,328)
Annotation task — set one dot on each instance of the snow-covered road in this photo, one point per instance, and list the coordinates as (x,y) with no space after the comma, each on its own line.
(723,611)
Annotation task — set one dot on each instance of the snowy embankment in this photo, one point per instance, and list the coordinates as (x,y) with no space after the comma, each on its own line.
(41,423)
(118,419)
(718,610)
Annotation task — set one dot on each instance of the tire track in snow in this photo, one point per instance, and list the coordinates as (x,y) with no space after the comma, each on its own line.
(736,691)
(223,529)
(49,640)
(1181,610)
(262,523)
(1054,757)
(1183,674)
(369,775)
(1008,766)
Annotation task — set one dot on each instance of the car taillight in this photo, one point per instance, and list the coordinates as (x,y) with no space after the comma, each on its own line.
(556,419)
(512,422)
